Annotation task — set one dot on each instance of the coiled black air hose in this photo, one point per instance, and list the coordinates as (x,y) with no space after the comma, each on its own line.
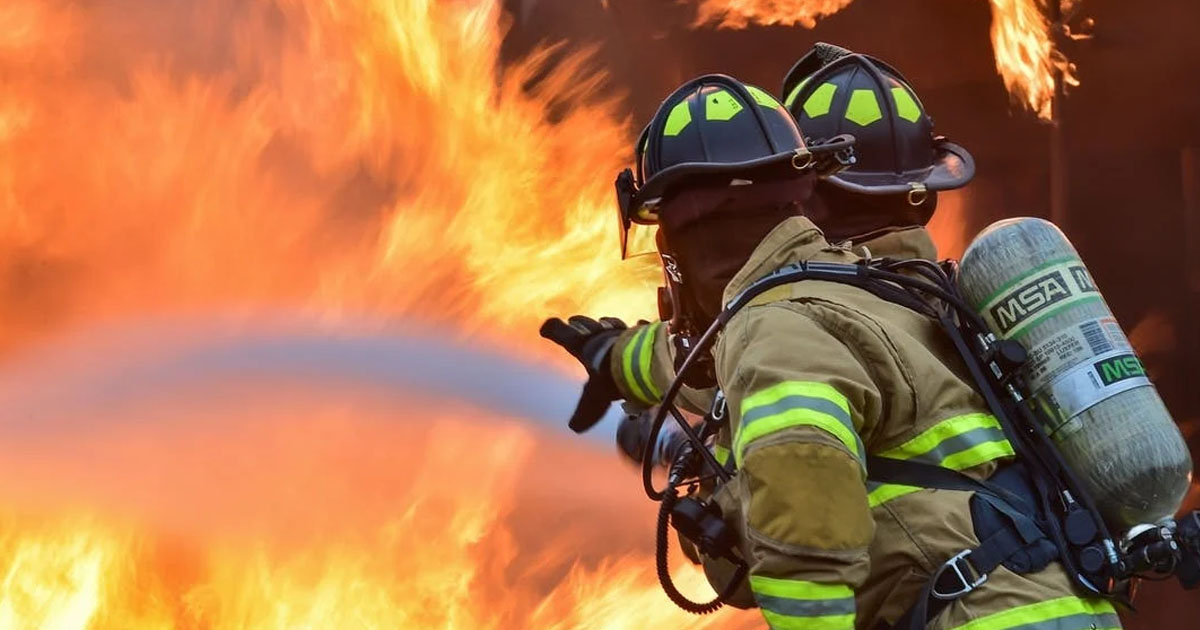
(661,545)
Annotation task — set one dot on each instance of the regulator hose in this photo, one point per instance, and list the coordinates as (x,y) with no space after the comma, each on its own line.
(661,545)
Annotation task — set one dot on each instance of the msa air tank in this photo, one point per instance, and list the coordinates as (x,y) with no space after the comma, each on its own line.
(1107,419)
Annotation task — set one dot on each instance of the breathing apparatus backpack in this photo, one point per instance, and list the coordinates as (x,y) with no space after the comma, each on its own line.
(1096,450)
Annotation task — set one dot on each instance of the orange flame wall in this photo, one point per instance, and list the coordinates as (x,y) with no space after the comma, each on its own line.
(366,157)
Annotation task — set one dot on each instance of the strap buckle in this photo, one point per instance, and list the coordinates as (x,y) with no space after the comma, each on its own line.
(962,571)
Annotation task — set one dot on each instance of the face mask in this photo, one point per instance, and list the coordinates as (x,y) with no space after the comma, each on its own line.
(711,231)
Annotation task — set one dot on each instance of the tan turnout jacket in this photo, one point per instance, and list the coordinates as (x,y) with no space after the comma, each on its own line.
(818,375)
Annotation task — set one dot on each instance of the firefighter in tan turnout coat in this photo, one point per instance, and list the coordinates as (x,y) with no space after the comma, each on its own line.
(818,375)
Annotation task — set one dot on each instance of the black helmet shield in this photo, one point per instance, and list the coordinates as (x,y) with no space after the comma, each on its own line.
(833,91)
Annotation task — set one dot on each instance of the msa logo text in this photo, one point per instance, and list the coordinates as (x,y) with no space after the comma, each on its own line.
(1119,368)
(1030,299)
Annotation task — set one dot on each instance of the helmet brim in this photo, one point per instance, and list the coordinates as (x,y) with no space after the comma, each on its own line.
(953,168)
(783,165)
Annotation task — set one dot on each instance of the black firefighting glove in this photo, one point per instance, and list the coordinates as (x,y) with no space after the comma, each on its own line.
(634,431)
(590,341)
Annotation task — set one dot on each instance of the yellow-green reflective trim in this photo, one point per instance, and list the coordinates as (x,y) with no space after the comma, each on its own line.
(647,354)
(679,118)
(820,100)
(1041,611)
(906,106)
(956,431)
(721,105)
(798,589)
(762,98)
(863,108)
(930,438)
(888,492)
(978,454)
(721,453)
(627,366)
(786,622)
(795,416)
(791,98)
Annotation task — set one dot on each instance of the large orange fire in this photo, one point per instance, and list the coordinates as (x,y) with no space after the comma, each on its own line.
(170,159)
(1022,38)
(354,161)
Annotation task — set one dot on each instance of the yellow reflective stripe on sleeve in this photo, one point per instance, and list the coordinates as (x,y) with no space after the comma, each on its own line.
(880,493)
(721,453)
(796,403)
(646,360)
(978,454)
(630,366)
(798,589)
(777,621)
(956,443)
(934,437)
(1064,613)
(804,605)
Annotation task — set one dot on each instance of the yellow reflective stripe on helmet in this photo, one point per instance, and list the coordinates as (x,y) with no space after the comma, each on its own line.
(1064,613)
(906,105)
(796,403)
(820,100)
(791,98)
(631,362)
(804,605)
(956,443)
(761,97)
(721,454)
(679,118)
(863,108)
(721,105)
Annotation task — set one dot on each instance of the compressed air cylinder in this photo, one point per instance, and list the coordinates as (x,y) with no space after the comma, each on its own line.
(1106,418)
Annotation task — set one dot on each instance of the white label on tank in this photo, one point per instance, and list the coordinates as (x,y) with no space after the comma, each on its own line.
(1040,293)
(1097,379)
(1073,345)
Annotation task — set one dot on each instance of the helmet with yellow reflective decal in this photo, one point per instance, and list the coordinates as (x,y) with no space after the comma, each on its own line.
(833,91)
(710,128)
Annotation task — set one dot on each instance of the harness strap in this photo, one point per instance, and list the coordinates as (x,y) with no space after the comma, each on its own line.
(969,569)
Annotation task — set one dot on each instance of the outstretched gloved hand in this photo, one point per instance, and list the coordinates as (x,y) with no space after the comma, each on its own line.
(590,341)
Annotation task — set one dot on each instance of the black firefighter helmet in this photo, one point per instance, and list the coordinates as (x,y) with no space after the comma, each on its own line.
(711,128)
(833,91)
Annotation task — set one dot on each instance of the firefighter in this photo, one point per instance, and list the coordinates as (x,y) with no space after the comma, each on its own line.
(819,375)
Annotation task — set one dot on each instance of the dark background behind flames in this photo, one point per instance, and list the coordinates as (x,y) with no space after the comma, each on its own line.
(1131,132)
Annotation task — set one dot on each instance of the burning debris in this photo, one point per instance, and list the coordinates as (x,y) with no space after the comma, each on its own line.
(1022,38)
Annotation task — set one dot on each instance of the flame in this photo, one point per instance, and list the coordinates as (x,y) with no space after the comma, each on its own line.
(374,158)
(1026,57)
(743,13)
(444,556)
(366,159)
(1022,38)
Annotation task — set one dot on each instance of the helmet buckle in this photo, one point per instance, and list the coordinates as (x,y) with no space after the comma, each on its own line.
(802,159)
(917,194)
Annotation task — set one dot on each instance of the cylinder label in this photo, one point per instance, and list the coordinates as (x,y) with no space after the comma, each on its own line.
(1094,381)
(1042,292)
(1074,345)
